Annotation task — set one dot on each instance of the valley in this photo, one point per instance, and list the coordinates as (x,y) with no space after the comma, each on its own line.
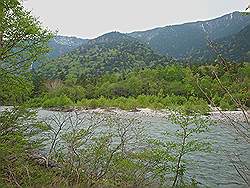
(164,107)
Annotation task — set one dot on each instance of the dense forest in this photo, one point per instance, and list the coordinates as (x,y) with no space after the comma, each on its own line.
(49,137)
(112,52)
(164,87)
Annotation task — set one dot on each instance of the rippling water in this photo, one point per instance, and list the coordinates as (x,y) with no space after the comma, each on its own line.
(213,169)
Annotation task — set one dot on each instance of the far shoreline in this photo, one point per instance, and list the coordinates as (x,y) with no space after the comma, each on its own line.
(215,113)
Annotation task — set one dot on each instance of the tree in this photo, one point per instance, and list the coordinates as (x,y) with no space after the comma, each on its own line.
(18,140)
(22,41)
(22,38)
(232,97)
(169,154)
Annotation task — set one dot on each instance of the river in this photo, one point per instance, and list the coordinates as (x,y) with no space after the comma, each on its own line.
(213,169)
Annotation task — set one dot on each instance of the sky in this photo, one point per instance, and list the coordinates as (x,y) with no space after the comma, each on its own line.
(92,18)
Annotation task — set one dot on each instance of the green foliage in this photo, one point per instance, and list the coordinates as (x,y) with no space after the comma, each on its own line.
(109,151)
(22,41)
(94,151)
(195,105)
(61,101)
(113,52)
(169,152)
(13,89)
(63,44)
(90,157)
(154,102)
(226,104)
(18,130)
(189,41)
(97,150)
(169,87)
(73,92)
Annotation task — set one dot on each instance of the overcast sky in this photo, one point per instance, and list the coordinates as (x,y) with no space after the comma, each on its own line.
(91,18)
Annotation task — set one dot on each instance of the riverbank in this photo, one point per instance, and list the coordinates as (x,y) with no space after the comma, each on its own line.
(215,114)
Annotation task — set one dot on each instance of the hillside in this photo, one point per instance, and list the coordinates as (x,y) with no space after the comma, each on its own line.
(112,52)
(61,45)
(237,46)
(234,48)
(181,41)
(117,52)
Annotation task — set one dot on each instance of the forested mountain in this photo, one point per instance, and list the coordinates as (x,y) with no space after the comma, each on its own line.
(235,47)
(62,44)
(117,52)
(112,52)
(113,112)
(185,41)
(182,41)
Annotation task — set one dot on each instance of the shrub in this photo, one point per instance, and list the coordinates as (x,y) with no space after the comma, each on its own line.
(177,100)
(73,92)
(35,102)
(226,105)
(196,105)
(61,101)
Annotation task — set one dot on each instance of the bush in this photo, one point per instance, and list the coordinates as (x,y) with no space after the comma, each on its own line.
(244,98)
(35,102)
(75,93)
(20,135)
(196,105)
(226,105)
(61,101)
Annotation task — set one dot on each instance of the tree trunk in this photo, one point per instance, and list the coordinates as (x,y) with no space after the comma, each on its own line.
(1,26)
(179,159)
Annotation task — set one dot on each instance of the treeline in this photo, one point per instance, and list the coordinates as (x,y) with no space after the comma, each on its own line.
(173,85)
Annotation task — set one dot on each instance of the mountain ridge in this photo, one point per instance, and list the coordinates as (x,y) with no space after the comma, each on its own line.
(110,53)
(63,44)
(179,41)
(235,47)
(186,41)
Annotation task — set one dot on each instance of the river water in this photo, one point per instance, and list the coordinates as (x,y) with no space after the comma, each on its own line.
(213,169)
